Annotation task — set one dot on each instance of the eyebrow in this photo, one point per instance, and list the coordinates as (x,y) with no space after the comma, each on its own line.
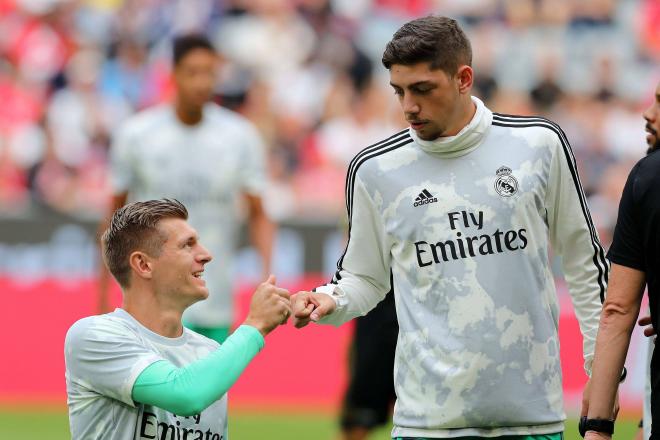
(188,238)
(417,84)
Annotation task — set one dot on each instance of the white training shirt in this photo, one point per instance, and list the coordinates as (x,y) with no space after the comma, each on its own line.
(463,226)
(104,356)
(206,167)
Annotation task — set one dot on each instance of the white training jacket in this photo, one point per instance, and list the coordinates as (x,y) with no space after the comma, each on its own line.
(461,227)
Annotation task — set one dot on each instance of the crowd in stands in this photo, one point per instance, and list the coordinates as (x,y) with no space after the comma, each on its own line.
(308,74)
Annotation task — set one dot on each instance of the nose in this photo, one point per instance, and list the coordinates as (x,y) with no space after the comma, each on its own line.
(409,104)
(204,255)
(650,114)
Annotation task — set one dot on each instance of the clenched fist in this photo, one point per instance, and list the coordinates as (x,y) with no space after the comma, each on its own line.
(270,306)
(311,306)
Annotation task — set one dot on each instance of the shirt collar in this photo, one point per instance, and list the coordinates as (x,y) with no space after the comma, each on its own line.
(467,140)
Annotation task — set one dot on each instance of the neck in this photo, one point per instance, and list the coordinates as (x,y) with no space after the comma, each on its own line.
(159,317)
(466,139)
(464,115)
(188,114)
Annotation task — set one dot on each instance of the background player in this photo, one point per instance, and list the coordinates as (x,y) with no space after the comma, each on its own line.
(206,156)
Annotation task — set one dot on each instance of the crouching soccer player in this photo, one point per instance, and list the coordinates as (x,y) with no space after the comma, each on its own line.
(137,373)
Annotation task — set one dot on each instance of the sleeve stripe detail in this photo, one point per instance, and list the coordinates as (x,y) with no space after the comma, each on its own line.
(522,122)
(392,143)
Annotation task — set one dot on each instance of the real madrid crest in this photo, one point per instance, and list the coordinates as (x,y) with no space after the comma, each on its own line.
(506,185)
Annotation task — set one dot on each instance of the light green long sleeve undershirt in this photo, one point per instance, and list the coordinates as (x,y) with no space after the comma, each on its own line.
(189,390)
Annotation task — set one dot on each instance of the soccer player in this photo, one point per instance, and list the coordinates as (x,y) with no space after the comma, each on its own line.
(207,157)
(136,373)
(456,214)
(635,257)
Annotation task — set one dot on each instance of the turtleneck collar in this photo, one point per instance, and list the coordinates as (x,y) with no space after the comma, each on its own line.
(467,140)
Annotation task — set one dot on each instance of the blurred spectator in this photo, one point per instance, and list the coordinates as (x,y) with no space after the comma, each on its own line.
(649,16)
(79,118)
(547,91)
(128,75)
(70,71)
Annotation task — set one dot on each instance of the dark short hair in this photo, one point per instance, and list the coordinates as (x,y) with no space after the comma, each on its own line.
(434,39)
(134,227)
(184,44)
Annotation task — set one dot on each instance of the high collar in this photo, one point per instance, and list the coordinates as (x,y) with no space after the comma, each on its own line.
(465,141)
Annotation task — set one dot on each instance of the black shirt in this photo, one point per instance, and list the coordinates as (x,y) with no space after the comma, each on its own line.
(636,244)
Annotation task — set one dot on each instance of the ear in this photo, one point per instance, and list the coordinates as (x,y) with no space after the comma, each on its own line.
(465,77)
(141,265)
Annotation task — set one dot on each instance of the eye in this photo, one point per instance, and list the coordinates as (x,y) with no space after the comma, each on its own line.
(422,91)
(398,92)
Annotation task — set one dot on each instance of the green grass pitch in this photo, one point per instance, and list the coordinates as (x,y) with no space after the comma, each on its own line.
(52,424)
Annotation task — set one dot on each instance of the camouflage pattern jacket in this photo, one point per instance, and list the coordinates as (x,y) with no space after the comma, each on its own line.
(461,228)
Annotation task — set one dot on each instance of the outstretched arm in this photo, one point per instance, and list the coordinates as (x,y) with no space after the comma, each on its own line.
(191,389)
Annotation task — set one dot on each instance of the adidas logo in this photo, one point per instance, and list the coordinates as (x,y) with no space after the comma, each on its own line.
(424,198)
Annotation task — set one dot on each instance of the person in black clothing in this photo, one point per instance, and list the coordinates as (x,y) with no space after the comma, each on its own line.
(635,257)
(370,394)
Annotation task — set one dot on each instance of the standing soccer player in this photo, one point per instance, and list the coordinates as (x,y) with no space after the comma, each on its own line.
(136,373)
(635,257)
(206,156)
(459,211)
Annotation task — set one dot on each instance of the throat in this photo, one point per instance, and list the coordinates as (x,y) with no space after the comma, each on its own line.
(188,115)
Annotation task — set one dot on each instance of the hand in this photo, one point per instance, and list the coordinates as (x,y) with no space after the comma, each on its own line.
(311,306)
(595,435)
(646,321)
(270,306)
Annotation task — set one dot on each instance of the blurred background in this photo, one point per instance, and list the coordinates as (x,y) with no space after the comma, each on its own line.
(308,74)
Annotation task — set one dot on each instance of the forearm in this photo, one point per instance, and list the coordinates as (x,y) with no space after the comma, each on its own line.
(617,321)
(354,297)
(262,237)
(191,389)
(616,326)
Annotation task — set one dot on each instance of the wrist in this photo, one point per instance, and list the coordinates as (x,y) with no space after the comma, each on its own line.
(256,324)
(604,427)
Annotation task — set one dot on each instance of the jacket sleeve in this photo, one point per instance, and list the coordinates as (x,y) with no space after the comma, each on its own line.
(191,389)
(363,273)
(573,236)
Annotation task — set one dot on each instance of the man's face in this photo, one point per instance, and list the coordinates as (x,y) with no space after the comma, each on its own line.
(652,116)
(429,98)
(195,77)
(177,272)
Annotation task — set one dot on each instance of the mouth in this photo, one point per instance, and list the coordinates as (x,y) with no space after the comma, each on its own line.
(417,125)
(199,275)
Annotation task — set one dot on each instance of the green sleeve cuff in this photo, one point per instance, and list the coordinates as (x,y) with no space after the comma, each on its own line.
(252,334)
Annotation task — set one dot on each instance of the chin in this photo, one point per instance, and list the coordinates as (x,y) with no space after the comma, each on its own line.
(428,137)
